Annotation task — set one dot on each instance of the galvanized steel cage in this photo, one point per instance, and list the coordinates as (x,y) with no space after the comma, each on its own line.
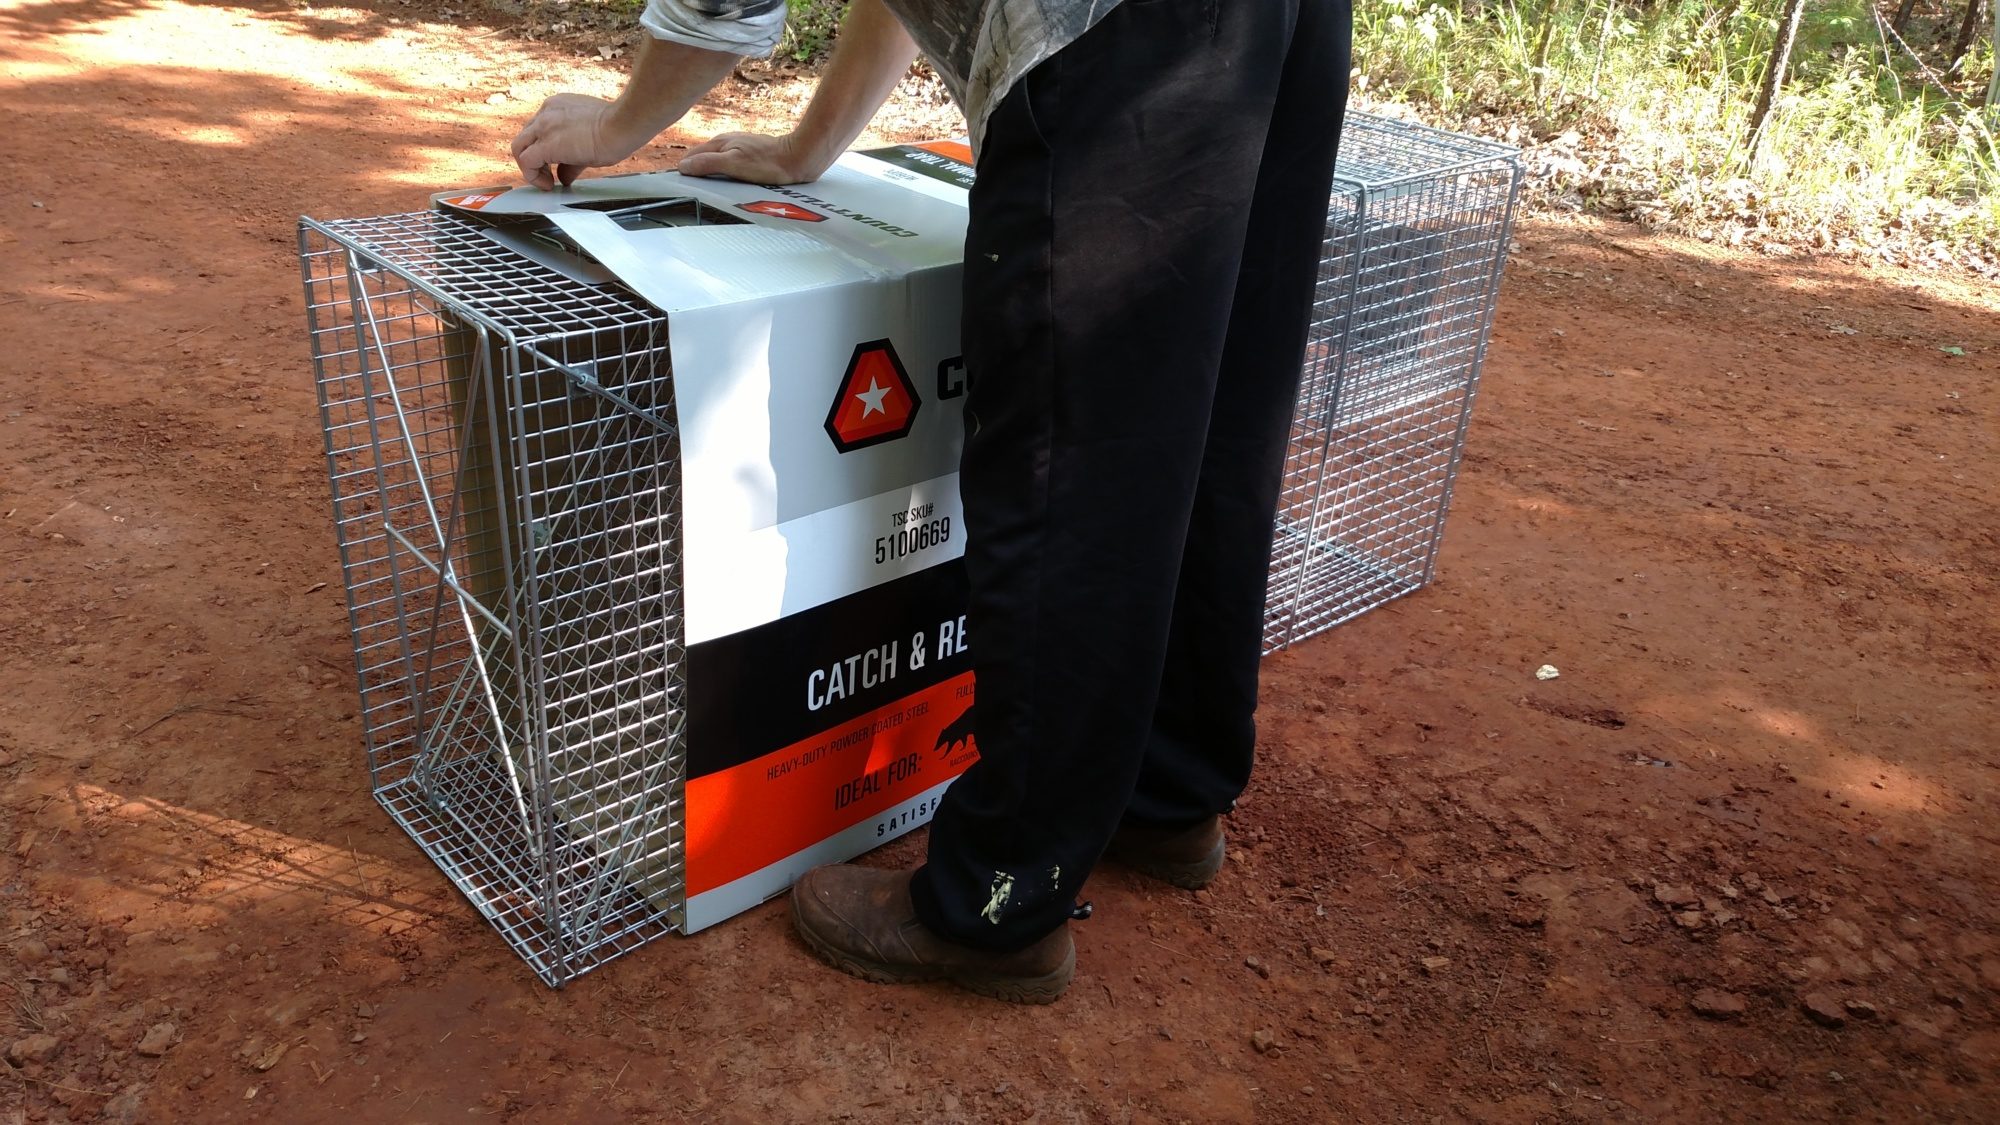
(1416,233)
(501,445)
(505,474)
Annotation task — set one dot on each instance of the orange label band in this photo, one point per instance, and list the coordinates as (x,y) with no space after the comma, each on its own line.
(749,816)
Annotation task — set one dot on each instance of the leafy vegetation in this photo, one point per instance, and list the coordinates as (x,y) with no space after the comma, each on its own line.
(1875,143)
(810,27)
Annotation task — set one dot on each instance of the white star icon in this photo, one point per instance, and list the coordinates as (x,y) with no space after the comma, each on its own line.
(871,399)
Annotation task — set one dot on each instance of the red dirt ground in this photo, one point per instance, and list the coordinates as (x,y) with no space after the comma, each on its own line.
(1745,505)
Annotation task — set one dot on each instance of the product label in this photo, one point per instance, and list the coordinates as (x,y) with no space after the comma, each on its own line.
(833,715)
(948,162)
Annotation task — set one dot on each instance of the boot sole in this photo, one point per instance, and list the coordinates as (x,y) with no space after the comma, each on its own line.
(1014,990)
(1191,875)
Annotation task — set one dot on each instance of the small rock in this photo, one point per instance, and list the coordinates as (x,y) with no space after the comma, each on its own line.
(1433,965)
(1527,913)
(496,98)
(127,1107)
(1861,1009)
(1263,1041)
(1847,932)
(358,1037)
(1324,956)
(1715,1004)
(1258,967)
(1823,1009)
(1547,672)
(157,1039)
(365,1011)
(1667,894)
(31,952)
(1935,1025)
(34,1049)
(1691,920)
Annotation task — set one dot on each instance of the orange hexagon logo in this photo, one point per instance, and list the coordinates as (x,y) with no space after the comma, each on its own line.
(779,209)
(877,401)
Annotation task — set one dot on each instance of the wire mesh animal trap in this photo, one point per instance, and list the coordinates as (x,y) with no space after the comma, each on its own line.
(1416,234)
(511,442)
(504,471)
(503,447)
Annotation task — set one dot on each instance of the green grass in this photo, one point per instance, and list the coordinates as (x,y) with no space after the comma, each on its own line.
(1646,112)
(809,28)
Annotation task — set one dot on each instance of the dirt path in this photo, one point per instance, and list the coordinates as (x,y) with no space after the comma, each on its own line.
(1745,506)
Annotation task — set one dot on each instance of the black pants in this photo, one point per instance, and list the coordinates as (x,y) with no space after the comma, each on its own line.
(1145,232)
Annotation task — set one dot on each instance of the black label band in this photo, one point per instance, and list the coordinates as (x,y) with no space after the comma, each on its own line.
(762,689)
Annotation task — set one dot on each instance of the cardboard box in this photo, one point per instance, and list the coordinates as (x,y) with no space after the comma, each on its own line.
(817,389)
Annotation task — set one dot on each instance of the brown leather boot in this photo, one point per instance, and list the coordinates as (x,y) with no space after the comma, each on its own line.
(860,921)
(1186,857)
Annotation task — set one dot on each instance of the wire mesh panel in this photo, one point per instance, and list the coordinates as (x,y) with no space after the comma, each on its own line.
(506,498)
(1416,232)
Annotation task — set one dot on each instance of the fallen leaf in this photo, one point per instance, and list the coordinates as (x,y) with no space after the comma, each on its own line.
(270,1058)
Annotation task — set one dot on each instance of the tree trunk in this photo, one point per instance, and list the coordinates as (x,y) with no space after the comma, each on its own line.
(1903,12)
(1549,13)
(1774,72)
(1604,36)
(1965,33)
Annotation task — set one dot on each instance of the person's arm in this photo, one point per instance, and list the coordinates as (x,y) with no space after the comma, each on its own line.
(572,132)
(870,57)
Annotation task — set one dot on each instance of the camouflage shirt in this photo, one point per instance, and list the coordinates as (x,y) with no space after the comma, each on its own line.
(979,47)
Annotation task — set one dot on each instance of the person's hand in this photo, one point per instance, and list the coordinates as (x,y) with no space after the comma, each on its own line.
(569,133)
(754,158)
